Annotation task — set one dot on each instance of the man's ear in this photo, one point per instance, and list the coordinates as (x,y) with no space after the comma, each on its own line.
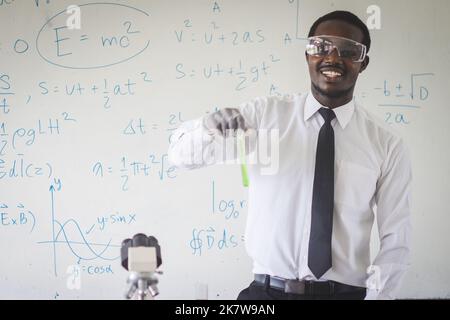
(364,64)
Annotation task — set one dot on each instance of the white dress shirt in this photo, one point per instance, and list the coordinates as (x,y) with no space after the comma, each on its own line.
(372,174)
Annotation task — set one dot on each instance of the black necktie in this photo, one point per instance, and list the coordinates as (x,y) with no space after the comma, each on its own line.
(319,256)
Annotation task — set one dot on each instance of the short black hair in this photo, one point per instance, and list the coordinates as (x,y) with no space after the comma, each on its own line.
(347,17)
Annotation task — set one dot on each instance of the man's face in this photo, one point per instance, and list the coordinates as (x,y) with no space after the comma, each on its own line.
(335,87)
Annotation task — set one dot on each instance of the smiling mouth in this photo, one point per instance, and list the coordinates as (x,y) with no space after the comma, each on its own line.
(332,74)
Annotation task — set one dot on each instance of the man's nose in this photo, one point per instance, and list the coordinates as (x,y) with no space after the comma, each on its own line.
(333,56)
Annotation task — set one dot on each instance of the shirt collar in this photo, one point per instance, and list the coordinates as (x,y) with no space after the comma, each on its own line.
(343,113)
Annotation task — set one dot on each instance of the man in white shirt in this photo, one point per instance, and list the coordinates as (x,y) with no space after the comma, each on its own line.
(309,223)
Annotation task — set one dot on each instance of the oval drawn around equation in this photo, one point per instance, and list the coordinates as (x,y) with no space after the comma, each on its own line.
(108,34)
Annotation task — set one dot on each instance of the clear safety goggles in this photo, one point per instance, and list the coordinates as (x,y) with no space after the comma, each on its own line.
(322,46)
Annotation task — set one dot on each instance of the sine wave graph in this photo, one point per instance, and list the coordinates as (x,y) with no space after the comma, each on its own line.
(70,235)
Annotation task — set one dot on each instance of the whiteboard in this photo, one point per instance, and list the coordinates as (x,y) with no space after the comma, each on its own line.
(86,116)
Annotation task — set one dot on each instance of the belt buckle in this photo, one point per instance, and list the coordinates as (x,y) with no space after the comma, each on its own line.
(295,286)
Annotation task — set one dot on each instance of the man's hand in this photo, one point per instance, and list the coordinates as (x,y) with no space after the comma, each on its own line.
(226,121)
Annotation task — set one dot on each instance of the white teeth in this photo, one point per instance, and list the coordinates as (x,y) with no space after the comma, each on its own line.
(332,74)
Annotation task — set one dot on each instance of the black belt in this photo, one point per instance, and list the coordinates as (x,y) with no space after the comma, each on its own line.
(306,287)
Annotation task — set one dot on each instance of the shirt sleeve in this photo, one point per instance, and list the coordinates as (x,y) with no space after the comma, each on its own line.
(193,146)
(393,200)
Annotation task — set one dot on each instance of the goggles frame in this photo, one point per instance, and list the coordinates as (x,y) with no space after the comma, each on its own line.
(329,40)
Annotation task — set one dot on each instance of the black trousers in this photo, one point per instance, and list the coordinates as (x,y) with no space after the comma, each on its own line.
(258,291)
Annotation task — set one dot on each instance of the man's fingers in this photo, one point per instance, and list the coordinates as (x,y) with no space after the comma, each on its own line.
(227,121)
(216,122)
(241,123)
(223,127)
(233,126)
(229,113)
